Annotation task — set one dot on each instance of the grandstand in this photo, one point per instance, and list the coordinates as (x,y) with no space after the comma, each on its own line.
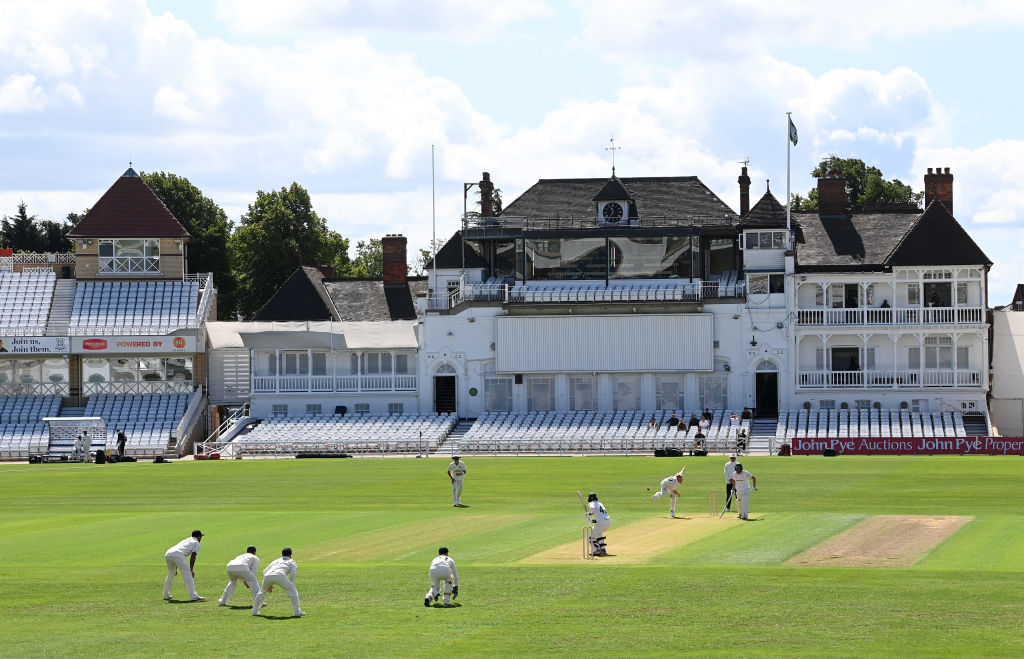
(142,307)
(149,420)
(25,300)
(351,434)
(22,432)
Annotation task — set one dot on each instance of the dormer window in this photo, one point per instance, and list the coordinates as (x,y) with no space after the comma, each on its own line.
(129,255)
(765,240)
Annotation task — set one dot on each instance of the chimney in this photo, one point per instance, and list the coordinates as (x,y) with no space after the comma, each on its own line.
(327,270)
(744,182)
(832,196)
(939,186)
(486,196)
(395,267)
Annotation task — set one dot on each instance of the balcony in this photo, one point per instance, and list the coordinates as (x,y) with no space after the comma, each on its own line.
(888,316)
(537,292)
(332,383)
(890,379)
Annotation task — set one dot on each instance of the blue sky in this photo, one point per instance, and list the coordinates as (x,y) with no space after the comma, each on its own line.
(347,98)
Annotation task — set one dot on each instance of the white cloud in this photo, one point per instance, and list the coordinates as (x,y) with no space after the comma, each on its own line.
(20,93)
(463,20)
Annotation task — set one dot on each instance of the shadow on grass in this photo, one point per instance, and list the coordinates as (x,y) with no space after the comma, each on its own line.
(189,601)
(460,505)
(453,605)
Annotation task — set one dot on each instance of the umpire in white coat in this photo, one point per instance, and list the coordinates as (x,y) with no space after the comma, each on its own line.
(442,571)
(242,568)
(280,573)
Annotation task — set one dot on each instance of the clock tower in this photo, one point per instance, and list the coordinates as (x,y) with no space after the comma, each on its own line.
(614,206)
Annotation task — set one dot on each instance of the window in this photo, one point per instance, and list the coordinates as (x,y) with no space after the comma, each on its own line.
(498,394)
(827,404)
(713,391)
(914,294)
(938,352)
(314,409)
(582,394)
(375,363)
(319,363)
(766,283)
(362,408)
(129,255)
(668,392)
(765,240)
(626,392)
(396,408)
(279,410)
(863,404)
(541,394)
(961,293)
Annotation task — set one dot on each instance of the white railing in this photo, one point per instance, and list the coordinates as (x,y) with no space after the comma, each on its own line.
(34,389)
(147,387)
(34,258)
(23,330)
(208,296)
(327,383)
(889,379)
(198,277)
(192,412)
(229,426)
(888,316)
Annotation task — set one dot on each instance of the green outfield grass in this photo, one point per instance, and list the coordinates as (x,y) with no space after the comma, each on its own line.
(83,568)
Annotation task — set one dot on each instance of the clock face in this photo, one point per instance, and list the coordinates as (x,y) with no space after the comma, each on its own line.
(612,212)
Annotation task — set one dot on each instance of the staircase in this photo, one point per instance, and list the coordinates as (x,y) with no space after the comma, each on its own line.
(762,430)
(61,307)
(459,431)
(976,425)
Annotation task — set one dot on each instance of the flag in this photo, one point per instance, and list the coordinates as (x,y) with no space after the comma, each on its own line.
(792,132)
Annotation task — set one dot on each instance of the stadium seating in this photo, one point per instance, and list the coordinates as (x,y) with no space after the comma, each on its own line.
(869,423)
(25,298)
(352,433)
(21,431)
(163,304)
(148,420)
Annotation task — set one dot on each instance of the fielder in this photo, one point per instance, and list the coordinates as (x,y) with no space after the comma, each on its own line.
(442,570)
(280,573)
(741,482)
(242,568)
(730,469)
(598,516)
(670,487)
(457,473)
(175,558)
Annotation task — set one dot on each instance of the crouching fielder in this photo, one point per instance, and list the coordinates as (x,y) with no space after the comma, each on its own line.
(598,516)
(280,573)
(670,487)
(242,568)
(442,572)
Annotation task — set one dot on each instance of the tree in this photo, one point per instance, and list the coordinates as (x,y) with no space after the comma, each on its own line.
(20,232)
(53,236)
(865,186)
(279,233)
(369,260)
(426,260)
(209,227)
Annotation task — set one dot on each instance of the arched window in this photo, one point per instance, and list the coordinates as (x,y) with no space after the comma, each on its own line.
(445,369)
(767,366)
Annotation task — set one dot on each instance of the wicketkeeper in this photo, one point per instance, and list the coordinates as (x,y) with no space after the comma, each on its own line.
(442,571)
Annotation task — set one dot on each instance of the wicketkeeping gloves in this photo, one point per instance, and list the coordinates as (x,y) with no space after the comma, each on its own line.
(455,592)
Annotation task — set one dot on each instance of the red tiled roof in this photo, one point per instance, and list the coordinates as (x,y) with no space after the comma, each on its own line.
(129,209)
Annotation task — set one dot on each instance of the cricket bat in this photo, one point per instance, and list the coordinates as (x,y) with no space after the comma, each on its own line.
(582,502)
(728,500)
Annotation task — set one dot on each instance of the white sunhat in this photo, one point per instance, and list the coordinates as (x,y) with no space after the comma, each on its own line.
(732,455)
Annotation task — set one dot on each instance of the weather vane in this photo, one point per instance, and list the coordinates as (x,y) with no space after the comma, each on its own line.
(613,149)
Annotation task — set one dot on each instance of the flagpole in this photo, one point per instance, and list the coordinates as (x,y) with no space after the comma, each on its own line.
(789,202)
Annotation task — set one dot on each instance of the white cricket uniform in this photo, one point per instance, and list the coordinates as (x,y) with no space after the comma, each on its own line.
(669,487)
(458,474)
(602,522)
(86,446)
(76,450)
(177,560)
(279,573)
(442,571)
(242,568)
(741,483)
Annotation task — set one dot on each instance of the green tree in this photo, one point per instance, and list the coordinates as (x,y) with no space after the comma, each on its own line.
(53,236)
(20,232)
(369,260)
(279,233)
(426,260)
(209,227)
(865,186)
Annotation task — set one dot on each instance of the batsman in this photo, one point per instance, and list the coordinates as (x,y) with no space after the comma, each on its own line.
(598,516)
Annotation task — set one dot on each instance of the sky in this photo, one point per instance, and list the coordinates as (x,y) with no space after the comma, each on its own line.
(383,109)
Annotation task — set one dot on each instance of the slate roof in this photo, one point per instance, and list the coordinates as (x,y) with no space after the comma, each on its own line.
(612,190)
(371,300)
(767,213)
(874,240)
(684,198)
(300,297)
(448,255)
(937,239)
(129,209)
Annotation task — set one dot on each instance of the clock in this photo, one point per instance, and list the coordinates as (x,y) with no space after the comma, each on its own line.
(612,211)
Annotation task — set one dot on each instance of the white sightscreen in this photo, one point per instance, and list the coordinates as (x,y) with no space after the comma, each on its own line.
(560,344)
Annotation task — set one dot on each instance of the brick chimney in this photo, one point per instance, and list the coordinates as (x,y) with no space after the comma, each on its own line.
(486,196)
(832,199)
(939,186)
(327,270)
(395,267)
(744,182)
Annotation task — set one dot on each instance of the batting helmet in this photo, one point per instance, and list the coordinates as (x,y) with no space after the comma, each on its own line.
(592,496)
(739,466)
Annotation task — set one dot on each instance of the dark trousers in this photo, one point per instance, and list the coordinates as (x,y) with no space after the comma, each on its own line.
(728,491)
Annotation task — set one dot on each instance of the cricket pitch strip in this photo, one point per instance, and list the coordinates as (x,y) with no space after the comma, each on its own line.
(638,542)
(883,541)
